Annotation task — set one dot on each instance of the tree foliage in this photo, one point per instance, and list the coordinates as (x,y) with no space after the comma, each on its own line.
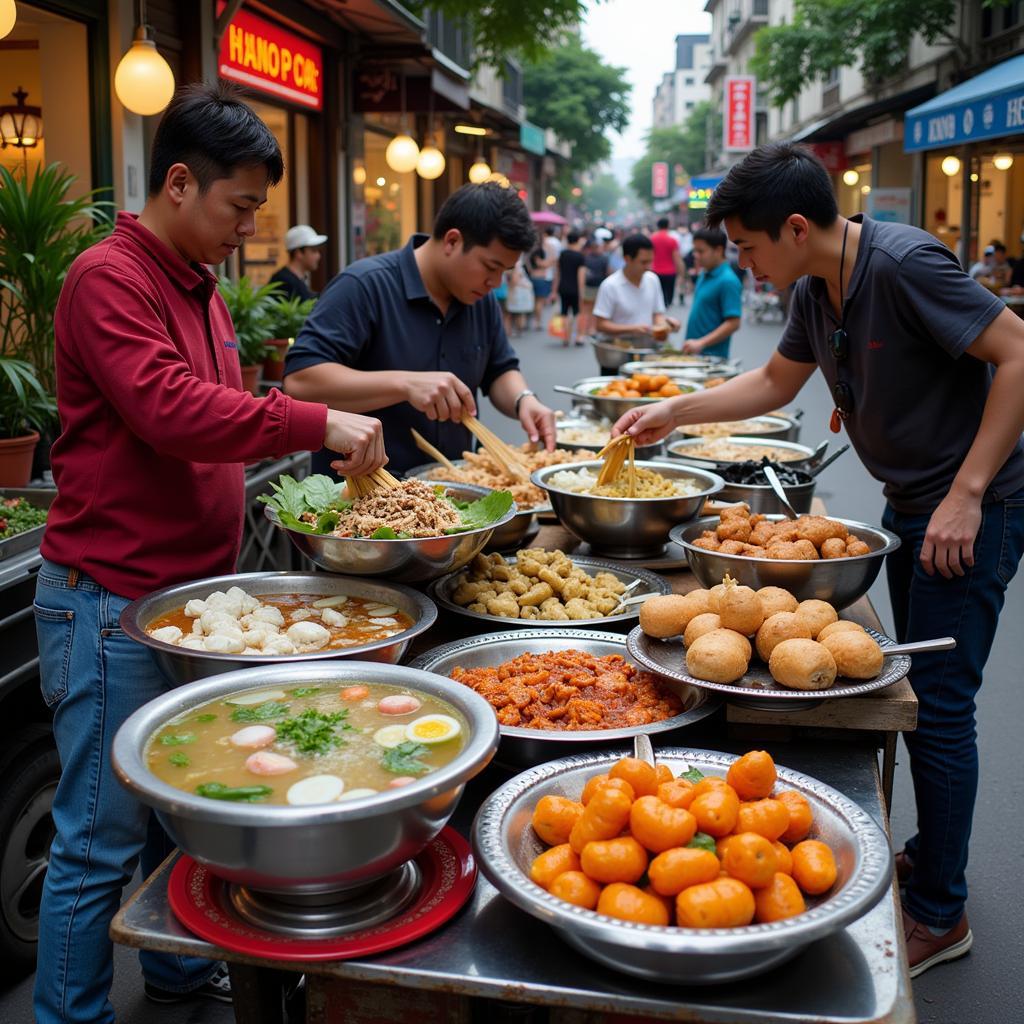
(684,144)
(829,34)
(574,93)
(602,194)
(518,30)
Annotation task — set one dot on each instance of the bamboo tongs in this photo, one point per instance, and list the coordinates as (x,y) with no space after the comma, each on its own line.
(615,454)
(510,460)
(364,486)
(428,449)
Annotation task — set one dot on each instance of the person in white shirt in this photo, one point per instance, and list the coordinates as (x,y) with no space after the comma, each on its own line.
(630,302)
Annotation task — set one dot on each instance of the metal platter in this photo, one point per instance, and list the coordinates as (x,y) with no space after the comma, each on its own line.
(519,746)
(505,846)
(441,591)
(757,688)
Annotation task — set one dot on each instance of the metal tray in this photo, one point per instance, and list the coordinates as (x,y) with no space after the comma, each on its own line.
(440,592)
(420,473)
(41,497)
(519,746)
(505,846)
(757,688)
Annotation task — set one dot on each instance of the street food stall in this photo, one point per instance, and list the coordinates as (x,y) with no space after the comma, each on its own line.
(449,695)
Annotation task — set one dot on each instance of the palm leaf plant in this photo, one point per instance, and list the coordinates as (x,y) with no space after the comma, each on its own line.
(25,405)
(249,307)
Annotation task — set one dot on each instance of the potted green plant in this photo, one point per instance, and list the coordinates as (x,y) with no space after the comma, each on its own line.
(25,410)
(249,307)
(286,319)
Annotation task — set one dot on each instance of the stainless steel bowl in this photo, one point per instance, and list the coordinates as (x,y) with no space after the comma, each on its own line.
(840,581)
(416,560)
(610,408)
(316,848)
(805,458)
(762,499)
(769,430)
(611,356)
(627,527)
(647,451)
(505,846)
(649,583)
(181,665)
(699,372)
(521,747)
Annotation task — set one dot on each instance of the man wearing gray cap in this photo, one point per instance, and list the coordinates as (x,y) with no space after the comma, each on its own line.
(303,245)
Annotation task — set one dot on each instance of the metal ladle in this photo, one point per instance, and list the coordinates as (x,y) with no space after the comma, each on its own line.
(776,484)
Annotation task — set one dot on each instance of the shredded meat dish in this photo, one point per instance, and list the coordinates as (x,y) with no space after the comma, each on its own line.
(413,508)
(571,690)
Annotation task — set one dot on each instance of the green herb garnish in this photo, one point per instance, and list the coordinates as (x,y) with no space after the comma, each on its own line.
(314,732)
(405,758)
(261,713)
(240,794)
(205,718)
(694,775)
(170,740)
(179,760)
(702,841)
(304,691)
(387,533)
(481,512)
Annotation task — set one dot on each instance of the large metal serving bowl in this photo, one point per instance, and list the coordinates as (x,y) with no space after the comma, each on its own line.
(770,428)
(315,848)
(181,665)
(647,451)
(505,846)
(840,581)
(627,527)
(762,498)
(699,372)
(416,560)
(524,747)
(806,458)
(609,407)
(611,356)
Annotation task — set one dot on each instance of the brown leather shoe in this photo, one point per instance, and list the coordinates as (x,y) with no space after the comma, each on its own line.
(904,867)
(925,950)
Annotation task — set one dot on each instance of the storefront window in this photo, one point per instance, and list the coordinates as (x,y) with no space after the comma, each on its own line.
(47,57)
(390,197)
(853,189)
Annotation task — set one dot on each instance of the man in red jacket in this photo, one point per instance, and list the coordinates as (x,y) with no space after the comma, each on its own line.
(150,474)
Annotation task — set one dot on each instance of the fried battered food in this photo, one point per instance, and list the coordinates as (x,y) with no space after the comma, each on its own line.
(785,550)
(740,608)
(718,656)
(817,614)
(778,627)
(733,547)
(775,599)
(805,539)
(571,690)
(669,614)
(539,584)
(818,529)
(842,626)
(762,533)
(855,547)
(707,540)
(699,625)
(857,655)
(833,548)
(807,550)
(713,596)
(734,528)
(802,665)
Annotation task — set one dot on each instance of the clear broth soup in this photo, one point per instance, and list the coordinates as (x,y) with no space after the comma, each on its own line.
(310,744)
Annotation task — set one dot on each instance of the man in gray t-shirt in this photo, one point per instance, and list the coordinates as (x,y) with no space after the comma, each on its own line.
(926,370)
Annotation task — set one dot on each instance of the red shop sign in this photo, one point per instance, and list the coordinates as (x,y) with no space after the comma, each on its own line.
(739,113)
(659,179)
(831,154)
(263,56)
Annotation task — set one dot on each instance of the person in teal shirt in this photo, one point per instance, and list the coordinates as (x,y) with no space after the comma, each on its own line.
(717,300)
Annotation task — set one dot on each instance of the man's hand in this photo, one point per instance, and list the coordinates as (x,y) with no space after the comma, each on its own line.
(440,396)
(359,438)
(693,347)
(949,540)
(538,421)
(648,424)
(673,323)
(647,329)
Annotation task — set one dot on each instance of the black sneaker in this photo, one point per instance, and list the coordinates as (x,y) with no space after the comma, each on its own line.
(217,986)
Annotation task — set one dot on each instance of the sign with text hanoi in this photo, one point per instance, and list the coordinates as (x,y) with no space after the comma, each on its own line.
(738,122)
(263,56)
(659,179)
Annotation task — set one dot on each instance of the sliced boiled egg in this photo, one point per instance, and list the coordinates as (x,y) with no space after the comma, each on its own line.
(317,789)
(355,794)
(433,729)
(335,601)
(390,736)
(260,697)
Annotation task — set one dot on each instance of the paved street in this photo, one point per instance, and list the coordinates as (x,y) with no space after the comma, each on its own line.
(985,987)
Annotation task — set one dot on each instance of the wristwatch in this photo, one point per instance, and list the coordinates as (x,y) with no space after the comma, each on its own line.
(525,393)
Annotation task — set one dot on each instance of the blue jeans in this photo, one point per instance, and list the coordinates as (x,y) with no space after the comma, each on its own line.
(93,677)
(943,749)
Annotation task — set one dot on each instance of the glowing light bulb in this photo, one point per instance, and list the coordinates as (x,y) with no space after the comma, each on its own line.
(851,177)
(144,82)
(431,163)
(479,172)
(8,16)
(950,165)
(1002,161)
(402,154)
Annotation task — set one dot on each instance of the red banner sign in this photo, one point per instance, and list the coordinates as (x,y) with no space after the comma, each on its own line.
(831,154)
(659,180)
(739,113)
(263,56)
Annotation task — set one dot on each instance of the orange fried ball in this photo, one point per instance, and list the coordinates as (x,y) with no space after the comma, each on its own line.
(802,665)
(720,656)
(554,817)
(740,608)
(699,625)
(614,860)
(767,817)
(658,826)
(576,888)
(551,863)
(775,599)
(628,903)
(817,615)
(722,903)
(778,627)
(779,899)
(750,858)
(604,817)
(753,775)
(814,867)
(669,614)
(675,870)
(800,816)
(642,776)
(842,626)
(857,655)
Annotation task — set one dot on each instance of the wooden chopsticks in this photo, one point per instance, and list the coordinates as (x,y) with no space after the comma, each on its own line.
(428,449)
(510,460)
(615,454)
(363,486)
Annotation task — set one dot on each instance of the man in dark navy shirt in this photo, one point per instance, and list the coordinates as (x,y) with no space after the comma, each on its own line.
(926,369)
(413,334)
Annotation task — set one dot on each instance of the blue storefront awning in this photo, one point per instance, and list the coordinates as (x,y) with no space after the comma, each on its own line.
(988,106)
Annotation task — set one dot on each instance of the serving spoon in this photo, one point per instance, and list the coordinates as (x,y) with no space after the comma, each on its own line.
(772,477)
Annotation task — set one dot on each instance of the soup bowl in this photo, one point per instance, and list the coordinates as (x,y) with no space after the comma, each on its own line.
(181,665)
(317,848)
